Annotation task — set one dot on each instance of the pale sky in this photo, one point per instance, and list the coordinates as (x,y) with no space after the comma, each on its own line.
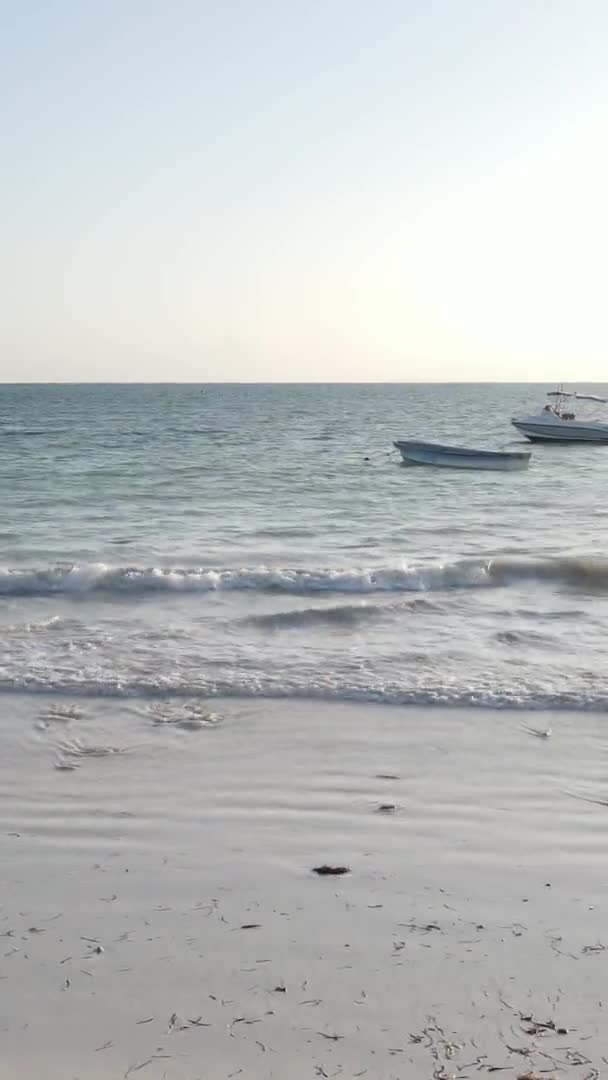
(272,189)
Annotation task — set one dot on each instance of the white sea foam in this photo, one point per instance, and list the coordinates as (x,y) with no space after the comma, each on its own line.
(314,687)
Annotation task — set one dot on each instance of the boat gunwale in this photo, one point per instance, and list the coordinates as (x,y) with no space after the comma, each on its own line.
(461,451)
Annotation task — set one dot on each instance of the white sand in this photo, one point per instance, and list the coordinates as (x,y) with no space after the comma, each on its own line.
(481,899)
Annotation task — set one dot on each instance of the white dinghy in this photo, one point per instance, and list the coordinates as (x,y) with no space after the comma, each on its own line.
(460,457)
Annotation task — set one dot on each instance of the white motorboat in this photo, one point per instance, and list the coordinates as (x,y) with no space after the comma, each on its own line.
(459,457)
(556,422)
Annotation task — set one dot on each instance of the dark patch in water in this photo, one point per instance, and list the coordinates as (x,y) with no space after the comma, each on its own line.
(280,533)
(525,637)
(346,615)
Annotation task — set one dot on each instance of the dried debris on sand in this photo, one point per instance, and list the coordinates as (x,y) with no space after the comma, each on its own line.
(326,870)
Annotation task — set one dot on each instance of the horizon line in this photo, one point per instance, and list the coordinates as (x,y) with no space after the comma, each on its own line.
(300,382)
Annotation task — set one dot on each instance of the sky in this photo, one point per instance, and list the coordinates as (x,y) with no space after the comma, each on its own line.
(257,190)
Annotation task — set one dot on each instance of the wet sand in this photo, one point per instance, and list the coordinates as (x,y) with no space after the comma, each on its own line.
(159,916)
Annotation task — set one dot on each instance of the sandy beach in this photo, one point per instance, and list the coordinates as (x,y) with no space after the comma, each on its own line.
(160,915)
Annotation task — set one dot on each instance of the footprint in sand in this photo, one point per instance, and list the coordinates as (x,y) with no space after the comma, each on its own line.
(185,715)
(58,714)
(73,752)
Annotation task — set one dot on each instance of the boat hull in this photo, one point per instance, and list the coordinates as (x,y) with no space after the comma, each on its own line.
(564,431)
(458,457)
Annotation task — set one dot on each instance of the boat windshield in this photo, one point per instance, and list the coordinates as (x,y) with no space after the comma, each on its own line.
(559,411)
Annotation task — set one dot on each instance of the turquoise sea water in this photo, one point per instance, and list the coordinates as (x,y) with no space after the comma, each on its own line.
(194,541)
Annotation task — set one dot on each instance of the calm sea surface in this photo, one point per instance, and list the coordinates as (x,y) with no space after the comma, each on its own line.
(196,541)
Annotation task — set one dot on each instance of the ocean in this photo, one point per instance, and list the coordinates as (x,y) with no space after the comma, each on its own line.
(183,543)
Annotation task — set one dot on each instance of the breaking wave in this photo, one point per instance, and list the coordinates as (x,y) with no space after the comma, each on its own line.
(589,574)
